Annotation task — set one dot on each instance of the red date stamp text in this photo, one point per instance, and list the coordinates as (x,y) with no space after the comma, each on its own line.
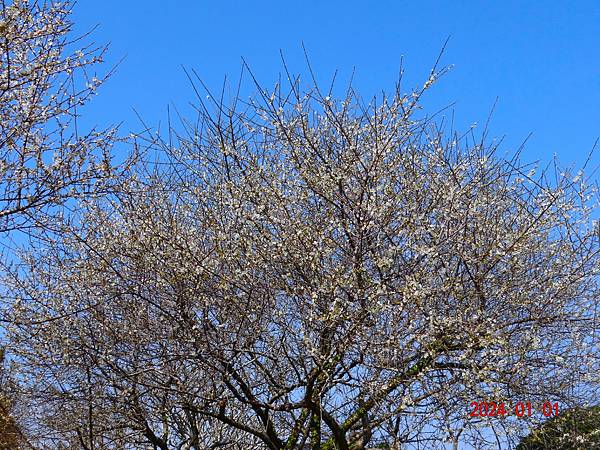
(519,409)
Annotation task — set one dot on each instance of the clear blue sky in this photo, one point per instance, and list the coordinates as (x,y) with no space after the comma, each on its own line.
(540,58)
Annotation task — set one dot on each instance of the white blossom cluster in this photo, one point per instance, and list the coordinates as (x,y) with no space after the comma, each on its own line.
(44,159)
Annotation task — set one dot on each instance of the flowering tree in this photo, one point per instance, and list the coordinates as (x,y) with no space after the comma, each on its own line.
(45,163)
(304,272)
(44,79)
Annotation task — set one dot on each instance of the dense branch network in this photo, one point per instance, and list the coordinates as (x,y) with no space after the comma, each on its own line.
(298,270)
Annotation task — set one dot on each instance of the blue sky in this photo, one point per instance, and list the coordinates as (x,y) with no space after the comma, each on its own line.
(541,59)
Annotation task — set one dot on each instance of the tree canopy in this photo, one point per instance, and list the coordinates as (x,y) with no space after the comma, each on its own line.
(578,428)
(307,269)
